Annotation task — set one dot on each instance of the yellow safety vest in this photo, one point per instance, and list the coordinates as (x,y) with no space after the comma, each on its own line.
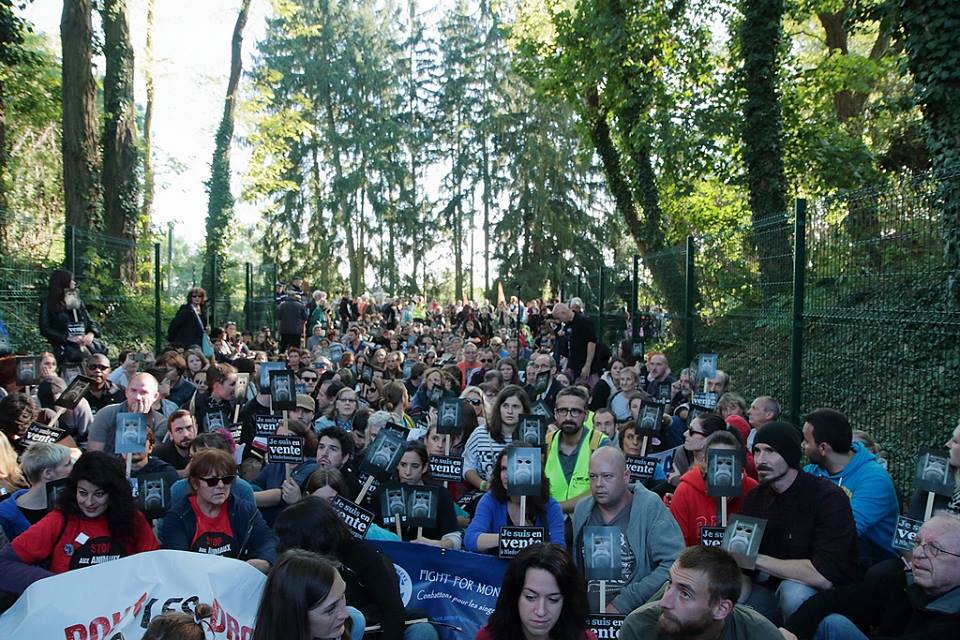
(579,483)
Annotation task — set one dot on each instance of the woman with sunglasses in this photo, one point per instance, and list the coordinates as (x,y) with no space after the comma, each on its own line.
(214,522)
(96,520)
(188,326)
(692,452)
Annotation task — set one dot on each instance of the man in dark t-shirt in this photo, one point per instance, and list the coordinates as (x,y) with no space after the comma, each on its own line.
(810,539)
(176,452)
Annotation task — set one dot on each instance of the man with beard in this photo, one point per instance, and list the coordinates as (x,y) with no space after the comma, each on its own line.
(699,602)
(176,451)
(810,540)
(102,392)
(568,451)
(649,536)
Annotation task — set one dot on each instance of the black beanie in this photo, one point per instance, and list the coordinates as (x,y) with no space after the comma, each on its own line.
(784,438)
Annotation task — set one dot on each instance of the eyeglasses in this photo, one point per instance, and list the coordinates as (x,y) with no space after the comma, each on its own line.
(226,480)
(931,550)
(573,413)
(196,295)
(486,360)
(98,367)
(696,433)
(309,378)
(475,401)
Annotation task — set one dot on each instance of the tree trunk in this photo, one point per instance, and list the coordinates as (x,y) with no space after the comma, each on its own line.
(220,203)
(81,148)
(147,210)
(121,209)
(762,134)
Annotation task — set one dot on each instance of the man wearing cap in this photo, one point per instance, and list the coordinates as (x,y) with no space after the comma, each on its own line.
(810,540)
(306,407)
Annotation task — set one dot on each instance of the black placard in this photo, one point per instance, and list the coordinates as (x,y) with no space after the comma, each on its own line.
(905,533)
(236,431)
(53,490)
(513,540)
(214,420)
(532,430)
(393,504)
(366,374)
(448,468)
(641,468)
(283,390)
(706,400)
(449,418)
(711,536)
(541,408)
(663,394)
(706,367)
(74,392)
(422,501)
(267,424)
(153,495)
(131,433)
(601,553)
(357,519)
(605,626)
(39,432)
(285,449)
(742,539)
(724,473)
(385,452)
(265,369)
(524,471)
(541,382)
(28,371)
(650,420)
(399,430)
(933,472)
(240,390)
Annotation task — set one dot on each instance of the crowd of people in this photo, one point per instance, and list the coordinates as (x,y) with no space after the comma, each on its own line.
(826,566)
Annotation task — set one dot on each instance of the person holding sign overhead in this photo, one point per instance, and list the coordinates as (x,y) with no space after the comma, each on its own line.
(214,522)
(649,538)
(542,598)
(690,505)
(497,509)
(96,520)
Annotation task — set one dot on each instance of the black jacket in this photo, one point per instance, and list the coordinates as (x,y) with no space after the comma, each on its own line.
(54,326)
(184,329)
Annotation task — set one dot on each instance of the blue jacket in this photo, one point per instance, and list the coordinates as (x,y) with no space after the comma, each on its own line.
(872,499)
(254,538)
(11,518)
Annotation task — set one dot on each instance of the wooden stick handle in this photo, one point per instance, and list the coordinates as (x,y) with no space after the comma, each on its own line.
(603,596)
(129,459)
(56,416)
(523,511)
(363,491)
(399,534)
(723,510)
(643,446)
(929,510)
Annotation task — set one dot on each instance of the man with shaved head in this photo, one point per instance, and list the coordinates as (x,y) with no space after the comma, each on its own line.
(581,344)
(649,536)
(140,394)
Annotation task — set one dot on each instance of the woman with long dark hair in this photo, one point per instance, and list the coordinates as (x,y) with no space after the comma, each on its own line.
(65,323)
(96,520)
(488,440)
(303,599)
(497,509)
(314,525)
(190,324)
(542,597)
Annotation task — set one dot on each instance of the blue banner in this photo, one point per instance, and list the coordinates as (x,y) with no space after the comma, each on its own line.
(456,588)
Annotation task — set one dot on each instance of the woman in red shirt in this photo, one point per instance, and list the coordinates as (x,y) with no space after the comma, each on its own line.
(691,505)
(96,520)
(542,597)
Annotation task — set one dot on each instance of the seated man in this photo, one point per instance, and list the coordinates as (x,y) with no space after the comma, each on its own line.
(649,536)
(699,601)
(828,443)
(892,603)
(810,540)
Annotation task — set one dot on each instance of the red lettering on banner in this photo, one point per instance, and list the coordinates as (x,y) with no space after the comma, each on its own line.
(218,623)
(233,628)
(95,628)
(75,632)
(138,605)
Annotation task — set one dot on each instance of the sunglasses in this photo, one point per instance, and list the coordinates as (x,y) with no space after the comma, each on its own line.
(475,401)
(309,378)
(226,480)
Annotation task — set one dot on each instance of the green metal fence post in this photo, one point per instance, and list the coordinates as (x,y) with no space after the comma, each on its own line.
(248,282)
(156,297)
(799,282)
(634,294)
(689,310)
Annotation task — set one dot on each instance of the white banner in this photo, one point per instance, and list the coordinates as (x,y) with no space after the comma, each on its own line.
(117,600)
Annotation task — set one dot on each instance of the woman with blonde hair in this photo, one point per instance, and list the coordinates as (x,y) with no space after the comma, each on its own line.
(11,477)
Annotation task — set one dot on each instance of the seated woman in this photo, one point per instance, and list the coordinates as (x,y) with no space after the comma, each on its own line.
(371,581)
(497,509)
(241,489)
(43,462)
(211,521)
(11,476)
(542,597)
(413,470)
(96,520)
(692,451)
(303,598)
(329,482)
(918,502)
(690,505)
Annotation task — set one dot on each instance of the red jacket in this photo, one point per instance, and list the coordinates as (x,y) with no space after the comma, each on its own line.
(693,508)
